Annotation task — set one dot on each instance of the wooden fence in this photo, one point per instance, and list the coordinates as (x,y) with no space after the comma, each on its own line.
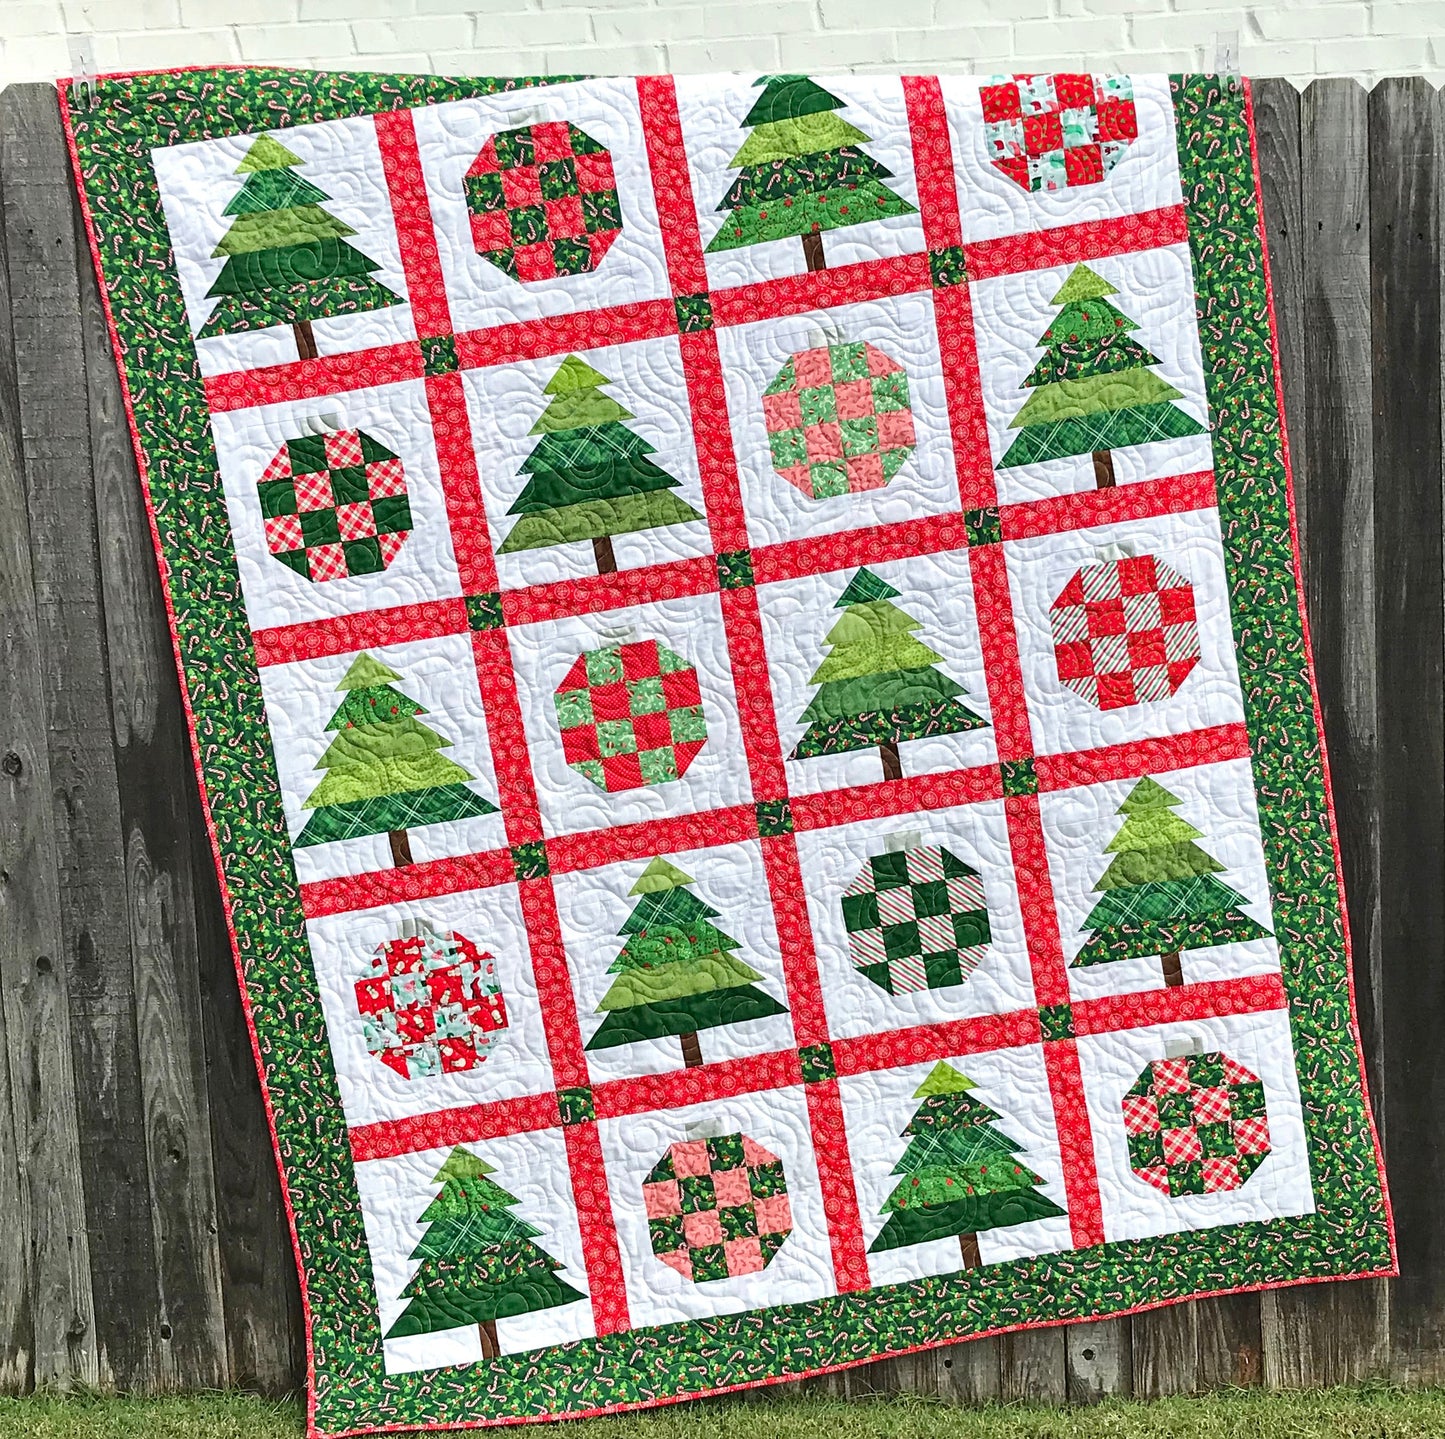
(142,1242)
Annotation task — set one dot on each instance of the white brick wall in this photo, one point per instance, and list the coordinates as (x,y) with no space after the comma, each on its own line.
(1298,38)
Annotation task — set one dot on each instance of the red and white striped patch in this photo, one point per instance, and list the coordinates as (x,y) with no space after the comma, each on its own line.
(356,522)
(1220,1175)
(283,534)
(1141,1114)
(385,478)
(1211,1106)
(1181,1146)
(327,562)
(313,491)
(343,448)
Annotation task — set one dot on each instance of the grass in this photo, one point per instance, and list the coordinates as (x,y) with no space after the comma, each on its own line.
(1368,1413)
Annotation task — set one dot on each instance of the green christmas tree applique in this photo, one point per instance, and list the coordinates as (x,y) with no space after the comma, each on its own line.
(959,1175)
(1093,390)
(287,259)
(1160,896)
(800,172)
(676,973)
(878,685)
(589,477)
(478,1261)
(383,772)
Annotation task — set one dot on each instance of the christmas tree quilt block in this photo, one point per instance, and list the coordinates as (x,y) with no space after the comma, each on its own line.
(479,1260)
(384,772)
(960,1173)
(288,260)
(1094,390)
(879,686)
(743,649)
(801,172)
(589,476)
(677,973)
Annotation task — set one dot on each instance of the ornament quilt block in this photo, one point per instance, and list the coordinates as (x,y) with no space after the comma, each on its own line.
(746,661)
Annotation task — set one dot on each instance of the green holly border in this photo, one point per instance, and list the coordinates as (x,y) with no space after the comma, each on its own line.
(1348,1234)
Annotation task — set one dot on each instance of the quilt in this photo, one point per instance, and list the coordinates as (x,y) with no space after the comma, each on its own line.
(744,652)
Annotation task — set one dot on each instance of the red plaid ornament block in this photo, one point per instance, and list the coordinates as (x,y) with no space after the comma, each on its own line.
(631,715)
(1057,132)
(1125,631)
(839,419)
(430,1003)
(1196,1124)
(717,1208)
(543,201)
(335,505)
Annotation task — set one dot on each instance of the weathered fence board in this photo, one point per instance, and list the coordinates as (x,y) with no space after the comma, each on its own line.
(1405,363)
(149,1248)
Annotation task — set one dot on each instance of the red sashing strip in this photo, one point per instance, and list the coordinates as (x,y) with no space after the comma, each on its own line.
(932,161)
(898,796)
(835,1180)
(1253,994)
(1077,244)
(1036,899)
(1143,500)
(994,607)
(561,334)
(461,484)
(605,1285)
(426,290)
(516,794)
(651,837)
(554,985)
(1076,1142)
(795,939)
(848,549)
(671,184)
(712,435)
(314,379)
(1143,756)
(967,421)
(867,1052)
(368,629)
(743,627)
(408,883)
(614,1098)
(821,289)
(621,589)
(467,1124)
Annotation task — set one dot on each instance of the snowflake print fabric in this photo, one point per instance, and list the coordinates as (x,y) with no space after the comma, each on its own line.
(747,670)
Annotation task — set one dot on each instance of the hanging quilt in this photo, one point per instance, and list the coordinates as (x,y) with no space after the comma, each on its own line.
(745,658)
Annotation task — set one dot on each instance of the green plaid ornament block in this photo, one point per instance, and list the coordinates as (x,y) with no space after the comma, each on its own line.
(335,505)
(717,1208)
(839,420)
(1196,1124)
(916,919)
(630,715)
